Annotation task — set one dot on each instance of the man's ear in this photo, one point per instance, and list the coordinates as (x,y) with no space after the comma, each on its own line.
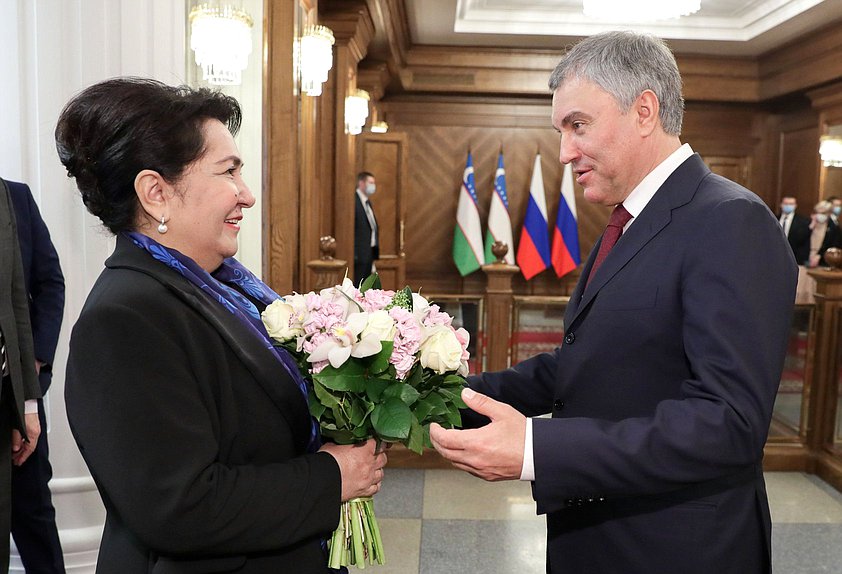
(153,193)
(648,109)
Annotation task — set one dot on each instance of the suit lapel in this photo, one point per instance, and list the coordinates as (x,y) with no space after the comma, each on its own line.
(676,191)
(260,361)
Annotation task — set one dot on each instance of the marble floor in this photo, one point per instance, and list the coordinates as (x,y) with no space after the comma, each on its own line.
(436,521)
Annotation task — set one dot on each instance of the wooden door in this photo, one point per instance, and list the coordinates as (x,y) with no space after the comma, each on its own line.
(385,156)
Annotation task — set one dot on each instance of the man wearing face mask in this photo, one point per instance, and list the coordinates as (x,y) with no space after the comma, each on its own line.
(824,233)
(366,240)
(836,209)
(796,228)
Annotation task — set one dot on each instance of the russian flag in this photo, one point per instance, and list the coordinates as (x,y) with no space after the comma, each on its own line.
(566,255)
(533,251)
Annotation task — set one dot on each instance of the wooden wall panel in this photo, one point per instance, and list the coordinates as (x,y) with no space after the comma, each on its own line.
(441,133)
(799,148)
(437,160)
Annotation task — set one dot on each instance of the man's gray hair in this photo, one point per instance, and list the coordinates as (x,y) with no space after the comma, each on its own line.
(625,64)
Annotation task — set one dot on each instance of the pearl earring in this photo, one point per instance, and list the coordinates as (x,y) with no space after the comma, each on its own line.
(162,228)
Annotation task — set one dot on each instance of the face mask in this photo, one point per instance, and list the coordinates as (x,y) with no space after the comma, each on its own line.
(787,208)
(370,188)
(837,210)
(821,217)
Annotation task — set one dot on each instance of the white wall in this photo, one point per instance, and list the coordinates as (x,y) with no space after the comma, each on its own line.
(49,50)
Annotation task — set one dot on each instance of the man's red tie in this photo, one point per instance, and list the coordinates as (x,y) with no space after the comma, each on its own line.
(619,218)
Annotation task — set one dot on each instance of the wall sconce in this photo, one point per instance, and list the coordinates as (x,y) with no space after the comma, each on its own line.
(356,111)
(831,151)
(316,47)
(221,38)
(380,127)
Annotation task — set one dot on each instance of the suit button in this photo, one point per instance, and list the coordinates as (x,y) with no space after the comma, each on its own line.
(558,404)
(569,338)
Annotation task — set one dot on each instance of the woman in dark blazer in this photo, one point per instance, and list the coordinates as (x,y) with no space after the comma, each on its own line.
(195,429)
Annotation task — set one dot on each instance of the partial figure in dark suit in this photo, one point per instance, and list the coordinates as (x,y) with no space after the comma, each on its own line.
(824,234)
(33,516)
(19,389)
(366,238)
(796,228)
(194,426)
(661,393)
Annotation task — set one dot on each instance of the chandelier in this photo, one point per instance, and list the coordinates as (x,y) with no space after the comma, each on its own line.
(831,151)
(356,111)
(640,10)
(316,49)
(221,38)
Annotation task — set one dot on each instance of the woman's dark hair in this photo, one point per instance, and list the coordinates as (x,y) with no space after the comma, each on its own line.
(113,130)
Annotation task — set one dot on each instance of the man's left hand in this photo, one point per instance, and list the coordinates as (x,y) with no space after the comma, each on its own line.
(493,452)
(21,449)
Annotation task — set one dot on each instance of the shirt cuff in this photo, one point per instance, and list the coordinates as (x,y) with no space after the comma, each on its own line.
(30,407)
(528,470)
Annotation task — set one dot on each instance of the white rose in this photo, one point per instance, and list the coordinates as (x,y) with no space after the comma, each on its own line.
(441,351)
(279,319)
(380,325)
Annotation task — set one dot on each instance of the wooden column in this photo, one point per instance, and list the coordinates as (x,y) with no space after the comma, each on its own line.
(498,314)
(280,168)
(353,29)
(824,394)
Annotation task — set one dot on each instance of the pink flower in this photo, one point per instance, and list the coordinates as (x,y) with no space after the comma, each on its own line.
(376,299)
(407,341)
(437,317)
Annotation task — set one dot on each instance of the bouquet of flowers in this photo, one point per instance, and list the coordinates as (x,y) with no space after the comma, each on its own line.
(381,364)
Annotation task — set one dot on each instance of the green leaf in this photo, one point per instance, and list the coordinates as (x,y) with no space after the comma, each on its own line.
(401,391)
(371,282)
(415,376)
(453,417)
(392,419)
(350,377)
(408,292)
(340,436)
(454,396)
(428,407)
(324,395)
(454,381)
(415,442)
(317,409)
(356,412)
(380,362)
(374,389)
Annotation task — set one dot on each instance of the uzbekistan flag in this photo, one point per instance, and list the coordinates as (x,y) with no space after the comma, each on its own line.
(467,237)
(533,251)
(566,235)
(499,222)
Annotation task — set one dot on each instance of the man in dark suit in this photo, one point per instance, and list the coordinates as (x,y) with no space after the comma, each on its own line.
(19,425)
(366,240)
(796,228)
(661,393)
(33,516)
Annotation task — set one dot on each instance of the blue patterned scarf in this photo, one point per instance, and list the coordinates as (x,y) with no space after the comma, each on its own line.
(214,286)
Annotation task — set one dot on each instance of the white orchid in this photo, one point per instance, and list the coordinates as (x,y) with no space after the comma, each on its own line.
(345,342)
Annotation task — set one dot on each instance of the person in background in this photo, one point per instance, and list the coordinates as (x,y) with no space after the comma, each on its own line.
(836,209)
(824,234)
(796,228)
(662,390)
(194,426)
(366,238)
(33,515)
(19,389)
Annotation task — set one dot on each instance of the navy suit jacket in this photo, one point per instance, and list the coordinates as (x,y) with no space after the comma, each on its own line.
(43,278)
(364,253)
(662,392)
